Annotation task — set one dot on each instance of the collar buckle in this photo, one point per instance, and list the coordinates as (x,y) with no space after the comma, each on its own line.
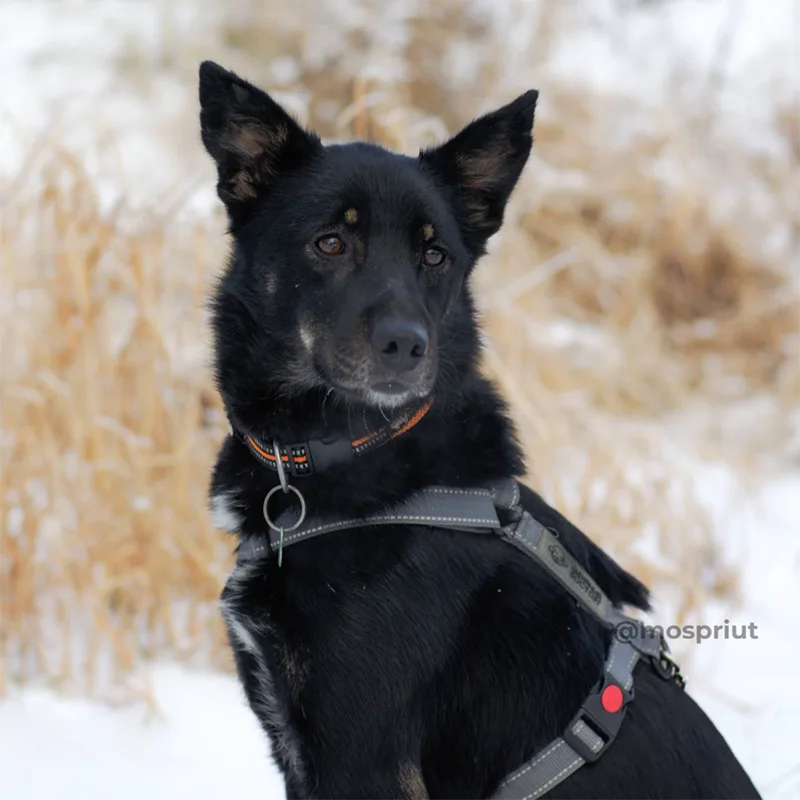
(322,453)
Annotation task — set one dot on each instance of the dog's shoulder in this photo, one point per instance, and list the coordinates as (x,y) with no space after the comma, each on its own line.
(620,586)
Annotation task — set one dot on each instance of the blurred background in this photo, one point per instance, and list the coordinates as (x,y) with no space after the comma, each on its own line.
(640,305)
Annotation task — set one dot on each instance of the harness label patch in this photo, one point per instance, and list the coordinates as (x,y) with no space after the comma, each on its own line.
(545,546)
(586,584)
(567,568)
(558,555)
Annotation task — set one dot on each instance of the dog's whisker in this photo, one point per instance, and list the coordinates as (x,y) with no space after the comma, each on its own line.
(324,401)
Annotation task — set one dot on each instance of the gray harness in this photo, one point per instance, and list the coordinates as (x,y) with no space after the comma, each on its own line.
(595,726)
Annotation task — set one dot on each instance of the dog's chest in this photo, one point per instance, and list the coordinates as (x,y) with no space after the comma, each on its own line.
(272,666)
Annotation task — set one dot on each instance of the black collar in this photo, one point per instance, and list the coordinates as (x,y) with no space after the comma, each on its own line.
(316,455)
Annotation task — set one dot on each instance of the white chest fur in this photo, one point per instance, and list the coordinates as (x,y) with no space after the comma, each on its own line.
(247,637)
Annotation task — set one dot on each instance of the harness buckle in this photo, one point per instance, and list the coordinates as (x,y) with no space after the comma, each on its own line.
(595,727)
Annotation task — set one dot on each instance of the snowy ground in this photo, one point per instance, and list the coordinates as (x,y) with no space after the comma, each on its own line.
(206,744)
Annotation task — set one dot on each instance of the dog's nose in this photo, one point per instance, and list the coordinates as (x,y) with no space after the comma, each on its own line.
(401,344)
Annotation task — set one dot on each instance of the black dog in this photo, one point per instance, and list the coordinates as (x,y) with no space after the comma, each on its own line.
(401,660)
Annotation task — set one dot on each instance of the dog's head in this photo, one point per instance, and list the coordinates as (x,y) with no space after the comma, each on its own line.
(349,264)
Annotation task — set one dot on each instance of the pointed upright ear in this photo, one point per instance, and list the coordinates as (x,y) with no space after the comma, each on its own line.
(249,136)
(481,165)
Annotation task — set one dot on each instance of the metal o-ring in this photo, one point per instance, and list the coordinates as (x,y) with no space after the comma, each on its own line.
(300,519)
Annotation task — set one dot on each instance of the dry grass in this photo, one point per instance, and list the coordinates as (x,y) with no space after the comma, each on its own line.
(614,299)
(109,432)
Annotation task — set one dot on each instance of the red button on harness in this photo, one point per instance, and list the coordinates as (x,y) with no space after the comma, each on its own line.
(612,699)
(602,711)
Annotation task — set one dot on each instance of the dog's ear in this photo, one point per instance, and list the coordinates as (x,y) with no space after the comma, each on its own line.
(251,138)
(483,162)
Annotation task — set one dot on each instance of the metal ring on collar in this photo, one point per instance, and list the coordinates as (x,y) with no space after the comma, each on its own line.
(300,519)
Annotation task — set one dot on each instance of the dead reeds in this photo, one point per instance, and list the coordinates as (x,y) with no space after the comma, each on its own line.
(109,426)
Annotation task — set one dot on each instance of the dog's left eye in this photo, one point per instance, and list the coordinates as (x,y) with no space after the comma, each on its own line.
(330,245)
(433,256)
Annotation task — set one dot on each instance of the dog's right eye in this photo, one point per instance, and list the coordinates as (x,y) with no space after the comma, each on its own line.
(330,245)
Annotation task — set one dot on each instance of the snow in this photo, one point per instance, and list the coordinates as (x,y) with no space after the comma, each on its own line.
(203,743)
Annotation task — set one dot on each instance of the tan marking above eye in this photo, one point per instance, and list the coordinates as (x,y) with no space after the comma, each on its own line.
(351,216)
(331,245)
(427,232)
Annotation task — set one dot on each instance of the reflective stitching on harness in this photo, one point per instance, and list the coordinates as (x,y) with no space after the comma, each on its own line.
(615,647)
(533,763)
(443,490)
(370,520)
(577,729)
(365,521)
(257,549)
(555,779)
(515,495)
(634,658)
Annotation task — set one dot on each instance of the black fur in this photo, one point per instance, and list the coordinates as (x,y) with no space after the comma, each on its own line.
(401,661)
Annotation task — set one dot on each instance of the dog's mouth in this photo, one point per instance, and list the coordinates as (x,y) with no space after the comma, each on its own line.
(384,393)
(361,385)
(393,393)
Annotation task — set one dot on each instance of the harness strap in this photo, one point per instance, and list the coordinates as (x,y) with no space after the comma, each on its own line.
(530,536)
(597,722)
(436,506)
(592,730)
